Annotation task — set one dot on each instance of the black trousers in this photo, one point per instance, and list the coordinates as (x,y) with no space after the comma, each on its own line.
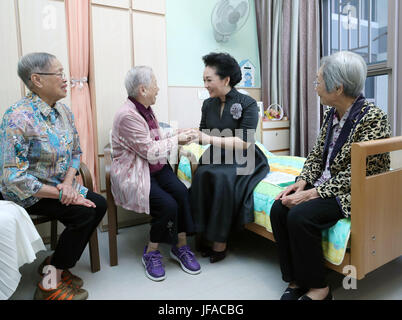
(169,207)
(80,223)
(297,232)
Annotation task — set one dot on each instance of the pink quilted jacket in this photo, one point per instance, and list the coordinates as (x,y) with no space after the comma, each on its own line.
(134,147)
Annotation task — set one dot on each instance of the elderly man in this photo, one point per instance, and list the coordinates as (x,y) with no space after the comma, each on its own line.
(40,156)
(322,194)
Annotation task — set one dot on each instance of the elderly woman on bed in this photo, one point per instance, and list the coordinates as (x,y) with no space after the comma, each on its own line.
(322,193)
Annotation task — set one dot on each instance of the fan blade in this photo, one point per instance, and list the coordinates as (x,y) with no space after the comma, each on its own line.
(234,17)
(222,7)
(226,28)
(242,8)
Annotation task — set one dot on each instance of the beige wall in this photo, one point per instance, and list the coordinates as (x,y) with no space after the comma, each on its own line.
(28,26)
(10,88)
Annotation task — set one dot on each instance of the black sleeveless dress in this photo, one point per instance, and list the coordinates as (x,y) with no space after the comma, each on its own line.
(222,188)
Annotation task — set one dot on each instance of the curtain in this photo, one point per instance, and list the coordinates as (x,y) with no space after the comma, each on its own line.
(77,17)
(269,29)
(307,109)
(288,34)
(264,30)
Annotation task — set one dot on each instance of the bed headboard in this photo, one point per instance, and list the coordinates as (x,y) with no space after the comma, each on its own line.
(376,236)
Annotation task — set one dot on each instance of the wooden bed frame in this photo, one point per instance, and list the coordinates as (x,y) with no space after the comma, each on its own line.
(376,220)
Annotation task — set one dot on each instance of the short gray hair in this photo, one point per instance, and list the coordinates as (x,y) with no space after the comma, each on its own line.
(344,68)
(32,63)
(141,75)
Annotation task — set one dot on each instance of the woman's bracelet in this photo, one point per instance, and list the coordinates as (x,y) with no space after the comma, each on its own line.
(60,195)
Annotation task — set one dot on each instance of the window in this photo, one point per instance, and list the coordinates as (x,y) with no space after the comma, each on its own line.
(376,90)
(360,26)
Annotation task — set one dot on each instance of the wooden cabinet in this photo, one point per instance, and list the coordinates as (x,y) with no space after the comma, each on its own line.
(125,33)
(275,136)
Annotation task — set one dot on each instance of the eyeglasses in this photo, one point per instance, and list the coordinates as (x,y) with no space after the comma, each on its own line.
(61,75)
(316,84)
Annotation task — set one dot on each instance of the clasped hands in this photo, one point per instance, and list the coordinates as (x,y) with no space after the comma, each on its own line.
(295,194)
(187,136)
(70,196)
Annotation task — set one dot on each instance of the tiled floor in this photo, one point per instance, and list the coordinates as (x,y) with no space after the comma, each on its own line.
(249,272)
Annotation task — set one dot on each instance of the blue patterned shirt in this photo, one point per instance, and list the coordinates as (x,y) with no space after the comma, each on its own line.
(38,144)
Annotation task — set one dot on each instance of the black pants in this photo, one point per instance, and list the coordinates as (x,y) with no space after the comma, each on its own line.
(297,232)
(169,207)
(80,223)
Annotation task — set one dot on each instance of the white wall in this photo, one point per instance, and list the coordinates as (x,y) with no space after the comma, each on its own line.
(10,87)
(185,105)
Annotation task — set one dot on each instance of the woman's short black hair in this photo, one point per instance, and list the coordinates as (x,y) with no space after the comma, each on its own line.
(225,65)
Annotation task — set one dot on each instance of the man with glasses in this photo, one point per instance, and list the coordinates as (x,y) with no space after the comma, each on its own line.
(39,159)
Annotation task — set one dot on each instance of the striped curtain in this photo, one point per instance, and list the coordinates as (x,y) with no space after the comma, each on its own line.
(288,33)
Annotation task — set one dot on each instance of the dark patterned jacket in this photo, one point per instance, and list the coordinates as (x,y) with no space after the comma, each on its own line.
(365,122)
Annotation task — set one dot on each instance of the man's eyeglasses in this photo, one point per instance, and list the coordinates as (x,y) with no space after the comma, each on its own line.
(61,75)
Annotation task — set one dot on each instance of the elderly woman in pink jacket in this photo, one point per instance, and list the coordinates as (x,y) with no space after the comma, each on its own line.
(143,181)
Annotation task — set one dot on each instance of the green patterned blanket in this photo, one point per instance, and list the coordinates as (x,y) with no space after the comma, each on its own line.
(283,171)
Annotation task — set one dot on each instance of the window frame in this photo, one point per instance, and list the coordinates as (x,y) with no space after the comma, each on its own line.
(373,69)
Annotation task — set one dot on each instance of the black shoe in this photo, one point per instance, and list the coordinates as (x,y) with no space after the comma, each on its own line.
(205,251)
(293,293)
(216,256)
(202,246)
(328,297)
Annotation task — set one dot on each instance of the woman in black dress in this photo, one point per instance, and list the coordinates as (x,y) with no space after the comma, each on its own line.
(222,188)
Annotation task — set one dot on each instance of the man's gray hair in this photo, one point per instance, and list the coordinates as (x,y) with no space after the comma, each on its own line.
(32,63)
(137,76)
(344,68)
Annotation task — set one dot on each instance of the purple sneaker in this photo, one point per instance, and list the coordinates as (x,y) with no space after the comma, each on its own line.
(186,258)
(152,262)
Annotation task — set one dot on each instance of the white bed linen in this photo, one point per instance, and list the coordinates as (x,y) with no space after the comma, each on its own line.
(19,243)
